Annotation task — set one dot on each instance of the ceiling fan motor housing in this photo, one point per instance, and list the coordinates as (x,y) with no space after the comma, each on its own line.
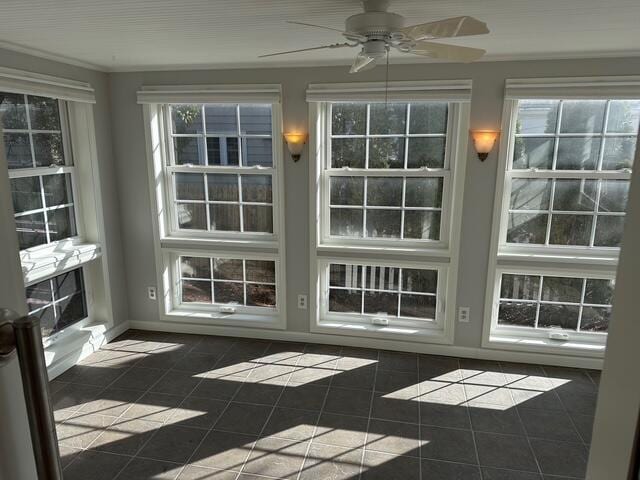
(375,25)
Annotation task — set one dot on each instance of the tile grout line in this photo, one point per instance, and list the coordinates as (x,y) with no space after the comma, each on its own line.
(466,406)
(221,415)
(373,396)
(315,427)
(273,409)
(419,420)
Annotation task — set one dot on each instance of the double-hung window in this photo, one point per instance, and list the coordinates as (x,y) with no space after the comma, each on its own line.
(217,155)
(386,179)
(47,129)
(567,155)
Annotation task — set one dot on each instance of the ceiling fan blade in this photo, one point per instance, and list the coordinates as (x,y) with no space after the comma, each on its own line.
(362,62)
(334,45)
(349,35)
(447,52)
(450,27)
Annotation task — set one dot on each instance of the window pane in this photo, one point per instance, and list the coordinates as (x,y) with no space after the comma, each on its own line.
(614,195)
(530,194)
(228,292)
(68,283)
(386,153)
(13,111)
(623,116)
(387,118)
(18,150)
(418,306)
(428,117)
(595,319)
(221,119)
(31,230)
(262,271)
(383,223)
(223,151)
(384,191)
(575,195)
(39,295)
(347,152)
(257,151)
(599,291)
(224,217)
(186,119)
(382,278)
(532,152)
(348,118)
(537,116)
(345,275)
(517,314)
(222,187)
(227,269)
(70,311)
(346,222)
(426,152)
(520,287)
(578,153)
(47,148)
(562,289)
(189,186)
(618,153)
(57,189)
(191,216)
(196,291)
(609,231)
(256,188)
(347,301)
(424,192)
(61,224)
(582,116)
(414,280)
(527,228)
(261,295)
(26,194)
(257,218)
(195,267)
(558,316)
(189,150)
(47,321)
(422,225)
(381,302)
(347,191)
(43,113)
(570,229)
(255,119)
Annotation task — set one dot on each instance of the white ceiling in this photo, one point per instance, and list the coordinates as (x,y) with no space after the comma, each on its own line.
(148,34)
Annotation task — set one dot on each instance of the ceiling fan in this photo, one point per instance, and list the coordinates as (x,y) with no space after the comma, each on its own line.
(377,30)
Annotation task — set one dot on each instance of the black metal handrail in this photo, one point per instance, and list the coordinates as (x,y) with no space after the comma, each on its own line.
(22,335)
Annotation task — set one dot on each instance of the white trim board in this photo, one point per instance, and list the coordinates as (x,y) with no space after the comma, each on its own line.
(31,83)
(79,346)
(365,342)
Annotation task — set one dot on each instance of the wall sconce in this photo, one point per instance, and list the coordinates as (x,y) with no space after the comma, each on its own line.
(295,144)
(484,140)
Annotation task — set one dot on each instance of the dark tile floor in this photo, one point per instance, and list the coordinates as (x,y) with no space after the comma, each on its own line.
(171,406)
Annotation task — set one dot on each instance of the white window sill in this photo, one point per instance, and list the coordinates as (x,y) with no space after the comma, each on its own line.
(238,319)
(545,345)
(403,333)
(82,335)
(195,242)
(45,261)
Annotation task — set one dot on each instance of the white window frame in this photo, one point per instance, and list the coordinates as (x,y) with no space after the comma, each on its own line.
(556,260)
(170,242)
(439,255)
(86,250)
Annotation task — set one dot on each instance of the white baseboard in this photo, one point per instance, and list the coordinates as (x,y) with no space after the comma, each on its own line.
(68,351)
(432,349)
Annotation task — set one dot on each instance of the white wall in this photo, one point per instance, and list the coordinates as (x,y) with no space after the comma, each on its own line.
(486,110)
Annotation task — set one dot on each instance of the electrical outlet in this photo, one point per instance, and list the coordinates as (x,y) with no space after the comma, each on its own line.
(151,292)
(302,302)
(464,314)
